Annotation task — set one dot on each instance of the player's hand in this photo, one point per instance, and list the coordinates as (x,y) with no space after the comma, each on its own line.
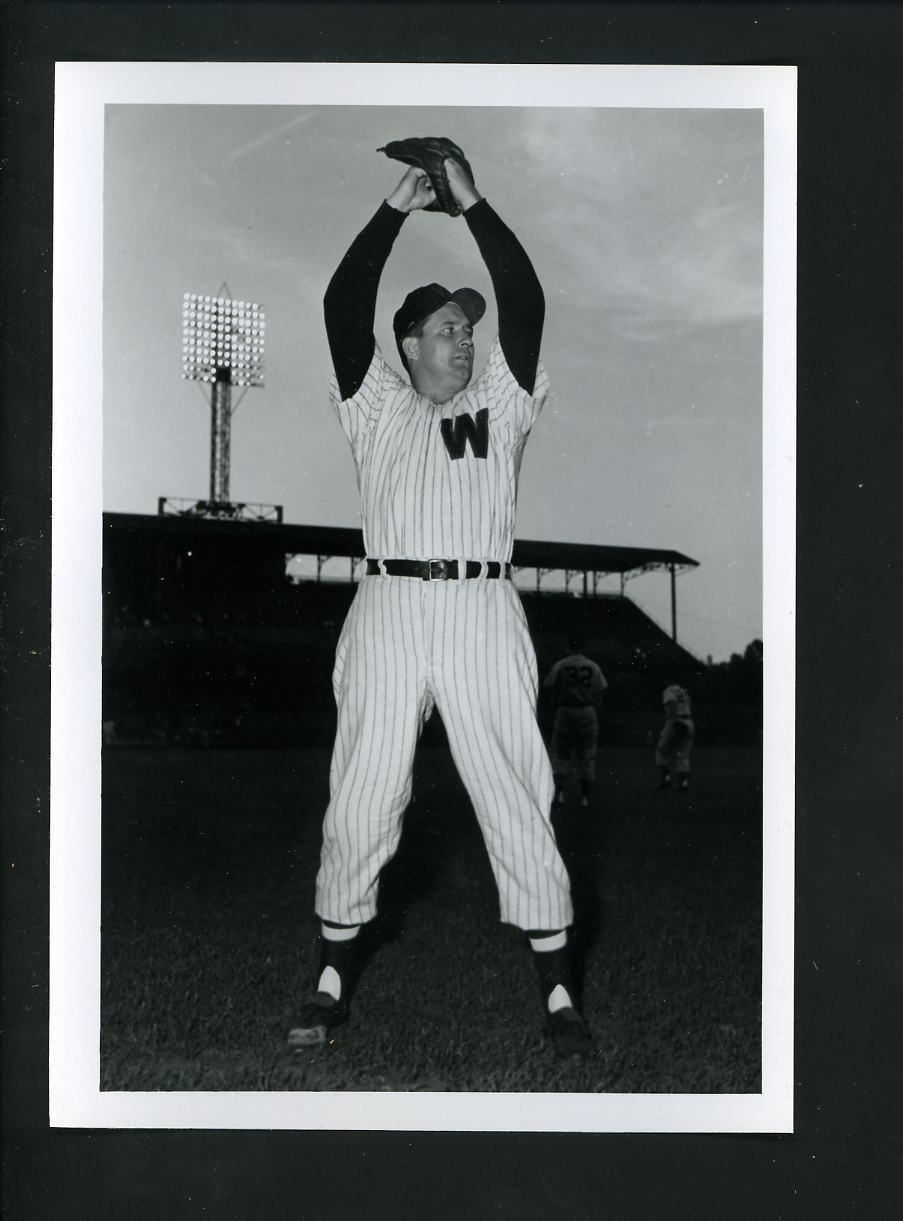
(413,191)
(459,181)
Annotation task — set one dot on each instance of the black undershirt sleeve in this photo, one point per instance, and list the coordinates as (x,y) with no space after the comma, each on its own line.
(349,305)
(518,293)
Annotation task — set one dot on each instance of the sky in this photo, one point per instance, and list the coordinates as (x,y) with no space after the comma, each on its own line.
(645,226)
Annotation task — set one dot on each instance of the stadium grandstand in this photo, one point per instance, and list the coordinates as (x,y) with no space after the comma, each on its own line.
(225,631)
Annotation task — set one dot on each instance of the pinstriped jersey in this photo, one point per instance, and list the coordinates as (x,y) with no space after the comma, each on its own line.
(439,480)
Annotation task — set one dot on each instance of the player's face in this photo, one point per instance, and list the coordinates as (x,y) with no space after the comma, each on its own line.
(443,361)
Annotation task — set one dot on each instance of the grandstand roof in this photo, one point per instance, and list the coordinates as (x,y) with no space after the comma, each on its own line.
(342,541)
(595,557)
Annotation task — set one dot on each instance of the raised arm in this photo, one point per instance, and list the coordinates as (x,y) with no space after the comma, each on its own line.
(349,305)
(518,292)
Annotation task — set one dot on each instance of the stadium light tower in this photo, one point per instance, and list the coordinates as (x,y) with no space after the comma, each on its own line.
(222,346)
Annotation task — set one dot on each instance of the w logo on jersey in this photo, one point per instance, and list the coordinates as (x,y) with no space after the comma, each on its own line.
(463,428)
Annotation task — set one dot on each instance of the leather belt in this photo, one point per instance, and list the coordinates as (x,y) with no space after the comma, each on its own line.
(439,570)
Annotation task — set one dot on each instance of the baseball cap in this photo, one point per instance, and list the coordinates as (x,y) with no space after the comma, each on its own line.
(423,301)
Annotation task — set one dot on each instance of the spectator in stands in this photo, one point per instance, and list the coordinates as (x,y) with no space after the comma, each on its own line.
(572,693)
(675,742)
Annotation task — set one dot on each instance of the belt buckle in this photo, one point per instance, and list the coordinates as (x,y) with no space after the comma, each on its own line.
(438,570)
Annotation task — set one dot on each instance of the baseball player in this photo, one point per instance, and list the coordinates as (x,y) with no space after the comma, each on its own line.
(672,751)
(436,621)
(573,690)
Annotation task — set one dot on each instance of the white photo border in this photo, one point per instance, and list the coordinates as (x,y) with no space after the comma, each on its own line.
(83,90)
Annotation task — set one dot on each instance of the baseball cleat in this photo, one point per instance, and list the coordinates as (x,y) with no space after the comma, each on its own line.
(318,1016)
(584,803)
(570,1037)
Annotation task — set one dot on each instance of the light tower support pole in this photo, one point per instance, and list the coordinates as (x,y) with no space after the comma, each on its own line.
(220,432)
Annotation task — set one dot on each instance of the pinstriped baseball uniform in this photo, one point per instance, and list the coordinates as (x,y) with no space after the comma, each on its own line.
(416,500)
(439,480)
(463,645)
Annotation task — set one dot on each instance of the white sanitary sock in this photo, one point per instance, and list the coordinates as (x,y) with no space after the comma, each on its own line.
(559,999)
(330,982)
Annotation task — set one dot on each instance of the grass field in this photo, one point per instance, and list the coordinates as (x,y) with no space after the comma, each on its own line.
(209,860)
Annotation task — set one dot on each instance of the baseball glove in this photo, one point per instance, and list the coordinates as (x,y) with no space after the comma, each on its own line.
(428,153)
(679,730)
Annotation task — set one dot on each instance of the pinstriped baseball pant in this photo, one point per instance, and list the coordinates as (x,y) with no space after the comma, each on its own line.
(464,646)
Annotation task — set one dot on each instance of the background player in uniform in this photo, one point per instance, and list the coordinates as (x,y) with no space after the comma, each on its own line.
(573,696)
(436,620)
(675,742)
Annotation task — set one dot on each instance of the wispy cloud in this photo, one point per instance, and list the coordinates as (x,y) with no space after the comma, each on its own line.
(655,222)
(279,132)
